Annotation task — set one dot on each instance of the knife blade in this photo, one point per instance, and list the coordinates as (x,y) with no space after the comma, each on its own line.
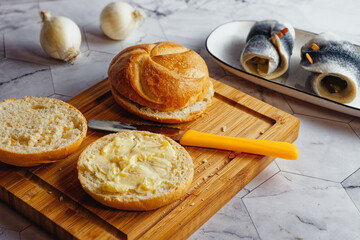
(189,137)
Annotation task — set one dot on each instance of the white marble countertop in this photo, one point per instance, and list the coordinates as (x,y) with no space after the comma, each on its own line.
(314,197)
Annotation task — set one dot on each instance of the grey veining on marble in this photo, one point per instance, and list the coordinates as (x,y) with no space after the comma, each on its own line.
(323,153)
(159,9)
(289,206)
(352,187)
(90,68)
(82,12)
(13,18)
(24,44)
(227,7)
(263,176)
(309,109)
(24,79)
(12,2)
(149,32)
(314,197)
(195,26)
(231,222)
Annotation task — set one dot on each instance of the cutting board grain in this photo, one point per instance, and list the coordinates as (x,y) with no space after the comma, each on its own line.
(51,195)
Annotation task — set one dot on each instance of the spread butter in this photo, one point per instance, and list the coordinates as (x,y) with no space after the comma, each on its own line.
(132,164)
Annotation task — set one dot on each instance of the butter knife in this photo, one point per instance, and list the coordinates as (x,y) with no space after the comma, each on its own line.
(191,137)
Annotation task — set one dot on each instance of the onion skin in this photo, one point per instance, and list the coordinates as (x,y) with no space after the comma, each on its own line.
(60,37)
(118,20)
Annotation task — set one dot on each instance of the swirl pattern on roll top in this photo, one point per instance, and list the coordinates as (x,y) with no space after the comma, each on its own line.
(164,76)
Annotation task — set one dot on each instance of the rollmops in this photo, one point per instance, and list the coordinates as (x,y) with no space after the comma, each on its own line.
(335,67)
(268,48)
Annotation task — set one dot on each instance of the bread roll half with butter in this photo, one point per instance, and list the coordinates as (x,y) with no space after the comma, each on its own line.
(163,82)
(135,170)
(36,130)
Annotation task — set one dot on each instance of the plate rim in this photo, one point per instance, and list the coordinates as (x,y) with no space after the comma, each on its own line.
(280,85)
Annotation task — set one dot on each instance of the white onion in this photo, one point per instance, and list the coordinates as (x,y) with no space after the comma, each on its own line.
(60,37)
(119,19)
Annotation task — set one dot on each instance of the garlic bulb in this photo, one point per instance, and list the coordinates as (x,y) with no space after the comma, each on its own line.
(119,19)
(60,37)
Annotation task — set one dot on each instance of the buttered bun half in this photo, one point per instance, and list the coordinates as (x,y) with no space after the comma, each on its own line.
(36,130)
(163,82)
(135,170)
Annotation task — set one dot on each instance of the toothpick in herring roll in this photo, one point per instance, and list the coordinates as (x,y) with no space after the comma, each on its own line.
(268,48)
(335,67)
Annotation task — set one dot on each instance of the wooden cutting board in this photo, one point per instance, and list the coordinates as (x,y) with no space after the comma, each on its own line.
(51,195)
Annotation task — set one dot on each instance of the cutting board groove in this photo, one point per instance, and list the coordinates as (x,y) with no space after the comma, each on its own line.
(52,196)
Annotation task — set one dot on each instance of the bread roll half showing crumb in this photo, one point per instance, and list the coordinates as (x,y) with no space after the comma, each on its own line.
(135,170)
(182,115)
(36,130)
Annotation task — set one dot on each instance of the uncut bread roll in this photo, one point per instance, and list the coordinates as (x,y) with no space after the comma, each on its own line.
(36,130)
(163,82)
(135,170)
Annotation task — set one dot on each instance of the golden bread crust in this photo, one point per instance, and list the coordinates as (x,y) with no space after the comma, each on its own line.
(35,159)
(164,76)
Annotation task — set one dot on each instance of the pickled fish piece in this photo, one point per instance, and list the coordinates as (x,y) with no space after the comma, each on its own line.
(335,67)
(268,48)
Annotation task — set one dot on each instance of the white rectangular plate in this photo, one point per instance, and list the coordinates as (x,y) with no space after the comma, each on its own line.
(225,45)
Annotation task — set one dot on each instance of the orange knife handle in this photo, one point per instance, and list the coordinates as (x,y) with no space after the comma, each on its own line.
(256,146)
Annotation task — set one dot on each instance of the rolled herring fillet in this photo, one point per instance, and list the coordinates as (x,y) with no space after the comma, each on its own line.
(267,51)
(335,67)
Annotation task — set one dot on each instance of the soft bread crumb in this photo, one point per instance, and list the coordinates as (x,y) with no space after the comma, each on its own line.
(39,127)
(185,114)
(39,124)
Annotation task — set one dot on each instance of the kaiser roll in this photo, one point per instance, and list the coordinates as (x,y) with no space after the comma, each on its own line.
(163,82)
